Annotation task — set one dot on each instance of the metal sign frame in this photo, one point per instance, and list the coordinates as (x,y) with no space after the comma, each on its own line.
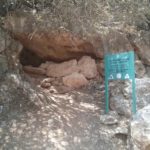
(120,67)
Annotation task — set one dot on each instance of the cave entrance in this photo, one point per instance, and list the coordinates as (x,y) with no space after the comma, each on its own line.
(29,58)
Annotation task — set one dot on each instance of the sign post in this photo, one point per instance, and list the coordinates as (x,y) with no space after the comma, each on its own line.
(119,67)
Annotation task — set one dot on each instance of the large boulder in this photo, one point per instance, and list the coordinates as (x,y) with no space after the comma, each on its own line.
(140,129)
(87,67)
(62,69)
(75,80)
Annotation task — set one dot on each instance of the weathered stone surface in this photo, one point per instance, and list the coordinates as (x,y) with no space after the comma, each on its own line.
(140,129)
(100,68)
(34,70)
(120,97)
(45,65)
(109,119)
(16,92)
(63,89)
(139,69)
(75,80)
(62,69)
(87,67)
(142,92)
(3,65)
(48,45)
(115,41)
(46,83)
(2,41)
(141,44)
(148,71)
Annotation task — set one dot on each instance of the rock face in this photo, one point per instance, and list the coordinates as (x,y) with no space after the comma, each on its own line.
(142,46)
(34,70)
(139,69)
(140,129)
(62,69)
(109,119)
(120,98)
(75,80)
(115,41)
(87,67)
(47,44)
(3,65)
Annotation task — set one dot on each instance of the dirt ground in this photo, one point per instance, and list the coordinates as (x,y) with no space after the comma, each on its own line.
(68,121)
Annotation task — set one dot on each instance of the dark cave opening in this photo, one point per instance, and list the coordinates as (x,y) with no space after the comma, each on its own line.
(29,58)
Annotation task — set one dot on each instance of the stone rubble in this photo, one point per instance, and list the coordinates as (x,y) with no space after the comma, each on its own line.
(69,73)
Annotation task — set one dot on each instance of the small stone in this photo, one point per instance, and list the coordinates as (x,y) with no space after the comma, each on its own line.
(109,119)
(45,85)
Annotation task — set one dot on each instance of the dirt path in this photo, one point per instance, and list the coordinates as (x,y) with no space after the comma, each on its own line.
(70,122)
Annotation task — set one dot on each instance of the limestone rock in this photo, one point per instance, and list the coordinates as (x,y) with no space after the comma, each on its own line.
(34,70)
(109,119)
(139,69)
(46,83)
(142,46)
(45,65)
(63,89)
(62,69)
(3,65)
(87,67)
(100,68)
(120,95)
(47,44)
(75,80)
(140,129)
(142,92)
(115,41)
(119,98)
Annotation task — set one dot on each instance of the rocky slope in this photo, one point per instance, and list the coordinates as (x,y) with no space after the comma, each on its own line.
(52,76)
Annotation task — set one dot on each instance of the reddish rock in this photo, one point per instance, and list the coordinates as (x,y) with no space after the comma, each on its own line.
(34,70)
(75,80)
(88,67)
(47,44)
(62,69)
(100,68)
(45,65)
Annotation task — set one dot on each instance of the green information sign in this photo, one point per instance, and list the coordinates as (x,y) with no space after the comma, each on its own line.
(120,67)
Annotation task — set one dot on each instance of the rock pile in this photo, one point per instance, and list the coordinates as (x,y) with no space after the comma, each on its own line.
(72,73)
